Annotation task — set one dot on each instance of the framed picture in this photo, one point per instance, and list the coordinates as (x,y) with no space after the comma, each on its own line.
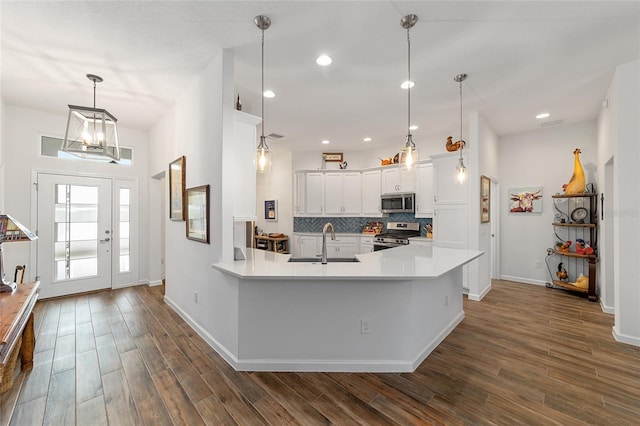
(176,188)
(485,199)
(198,213)
(525,200)
(271,210)
(332,156)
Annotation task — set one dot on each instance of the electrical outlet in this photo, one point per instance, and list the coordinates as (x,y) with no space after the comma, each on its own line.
(195,297)
(538,264)
(364,326)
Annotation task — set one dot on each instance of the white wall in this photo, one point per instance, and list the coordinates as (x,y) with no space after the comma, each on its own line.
(626,215)
(606,149)
(276,185)
(21,139)
(539,158)
(198,125)
(2,121)
(484,142)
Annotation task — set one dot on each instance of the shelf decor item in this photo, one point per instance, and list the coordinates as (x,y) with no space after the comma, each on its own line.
(576,184)
(485,199)
(198,213)
(176,188)
(332,157)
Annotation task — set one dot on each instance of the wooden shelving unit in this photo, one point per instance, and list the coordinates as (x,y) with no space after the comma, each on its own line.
(584,228)
(275,244)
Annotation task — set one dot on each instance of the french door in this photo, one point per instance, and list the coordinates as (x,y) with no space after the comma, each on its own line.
(75,235)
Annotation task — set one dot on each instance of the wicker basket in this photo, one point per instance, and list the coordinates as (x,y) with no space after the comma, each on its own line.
(7,370)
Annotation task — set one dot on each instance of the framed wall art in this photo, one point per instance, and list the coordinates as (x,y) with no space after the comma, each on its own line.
(198,213)
(485,199)
(176,188)
(525,200)
(271,210)
(332,156)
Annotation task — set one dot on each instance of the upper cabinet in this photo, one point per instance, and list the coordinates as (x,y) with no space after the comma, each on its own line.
(371,190)
(299,182)
(342,193)
(314,193)
(446,188)
(424,190)
(394,179)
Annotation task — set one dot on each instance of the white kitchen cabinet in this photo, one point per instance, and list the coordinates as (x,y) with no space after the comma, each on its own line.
(304,246)
(366,244)
(342,193)
(450,226)
(371,191)
(394,179)
(424,190)
(299,186)
(341,246)
(447,190)
(314,193)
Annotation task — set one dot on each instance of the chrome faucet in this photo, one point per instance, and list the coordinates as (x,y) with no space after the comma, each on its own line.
(324,240)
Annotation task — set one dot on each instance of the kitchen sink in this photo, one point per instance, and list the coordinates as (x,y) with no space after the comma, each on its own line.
(329,260)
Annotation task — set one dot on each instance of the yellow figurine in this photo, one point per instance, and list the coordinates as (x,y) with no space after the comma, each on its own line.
(577,183)
(582,282)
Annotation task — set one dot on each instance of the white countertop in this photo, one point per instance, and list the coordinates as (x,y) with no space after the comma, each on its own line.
(401,263)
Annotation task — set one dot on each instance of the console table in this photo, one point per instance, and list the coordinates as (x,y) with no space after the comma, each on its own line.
(16,322)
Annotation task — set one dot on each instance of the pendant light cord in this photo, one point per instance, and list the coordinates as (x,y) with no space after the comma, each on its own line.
(461,143)
(94,94)
(262,91)
(408,84)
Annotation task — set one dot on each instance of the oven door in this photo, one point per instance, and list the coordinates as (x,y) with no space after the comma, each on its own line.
(383,246)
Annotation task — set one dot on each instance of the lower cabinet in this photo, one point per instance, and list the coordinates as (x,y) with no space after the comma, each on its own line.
(342,246)
(366,244)
(450,226)
(305,246)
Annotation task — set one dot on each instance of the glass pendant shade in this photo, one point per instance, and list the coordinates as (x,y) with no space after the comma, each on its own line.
(91,133)
(409,155)
(461,171)
(263,157)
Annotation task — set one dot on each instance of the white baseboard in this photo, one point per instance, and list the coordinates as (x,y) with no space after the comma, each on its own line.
(114,287)
(435,342)
(217,346)
(314,365)
(607,309)
(479,297)
(522,280)
(154,283)
(623,338)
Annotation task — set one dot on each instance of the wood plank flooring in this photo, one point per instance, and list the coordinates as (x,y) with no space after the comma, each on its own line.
(524,355)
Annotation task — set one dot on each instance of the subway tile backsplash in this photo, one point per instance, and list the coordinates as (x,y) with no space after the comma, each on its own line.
(353,225)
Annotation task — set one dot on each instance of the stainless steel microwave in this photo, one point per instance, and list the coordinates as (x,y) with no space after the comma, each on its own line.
(398,203)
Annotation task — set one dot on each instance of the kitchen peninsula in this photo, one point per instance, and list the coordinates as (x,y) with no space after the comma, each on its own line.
(385,313)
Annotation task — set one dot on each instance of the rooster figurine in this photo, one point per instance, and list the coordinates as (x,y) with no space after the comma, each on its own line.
(563,247)
(562,273)
(577,183)
(454,146)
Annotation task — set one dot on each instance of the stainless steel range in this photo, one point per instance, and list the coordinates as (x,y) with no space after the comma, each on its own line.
(397,234)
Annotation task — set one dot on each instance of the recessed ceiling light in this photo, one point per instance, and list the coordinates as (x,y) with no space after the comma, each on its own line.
(323,60)
(268,94)
(367,139)
(325,142)
(542,115)
(414,127)
(407,84)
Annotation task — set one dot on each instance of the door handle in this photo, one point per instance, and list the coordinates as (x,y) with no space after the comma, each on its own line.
(105,240)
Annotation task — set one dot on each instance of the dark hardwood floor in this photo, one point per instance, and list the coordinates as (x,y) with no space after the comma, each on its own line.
(524,355)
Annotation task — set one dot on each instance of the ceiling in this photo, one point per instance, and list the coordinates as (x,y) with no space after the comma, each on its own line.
(522,58)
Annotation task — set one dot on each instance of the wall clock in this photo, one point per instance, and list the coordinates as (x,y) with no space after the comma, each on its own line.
(579,214)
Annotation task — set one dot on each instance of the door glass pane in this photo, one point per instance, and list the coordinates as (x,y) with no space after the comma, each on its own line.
(124,229)
(76,231)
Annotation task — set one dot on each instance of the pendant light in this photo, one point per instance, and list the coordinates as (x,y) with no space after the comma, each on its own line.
(461,170)
(91,132)
(263,155)
(409,153)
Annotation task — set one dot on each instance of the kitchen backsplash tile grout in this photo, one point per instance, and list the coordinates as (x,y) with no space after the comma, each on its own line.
(354,224)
